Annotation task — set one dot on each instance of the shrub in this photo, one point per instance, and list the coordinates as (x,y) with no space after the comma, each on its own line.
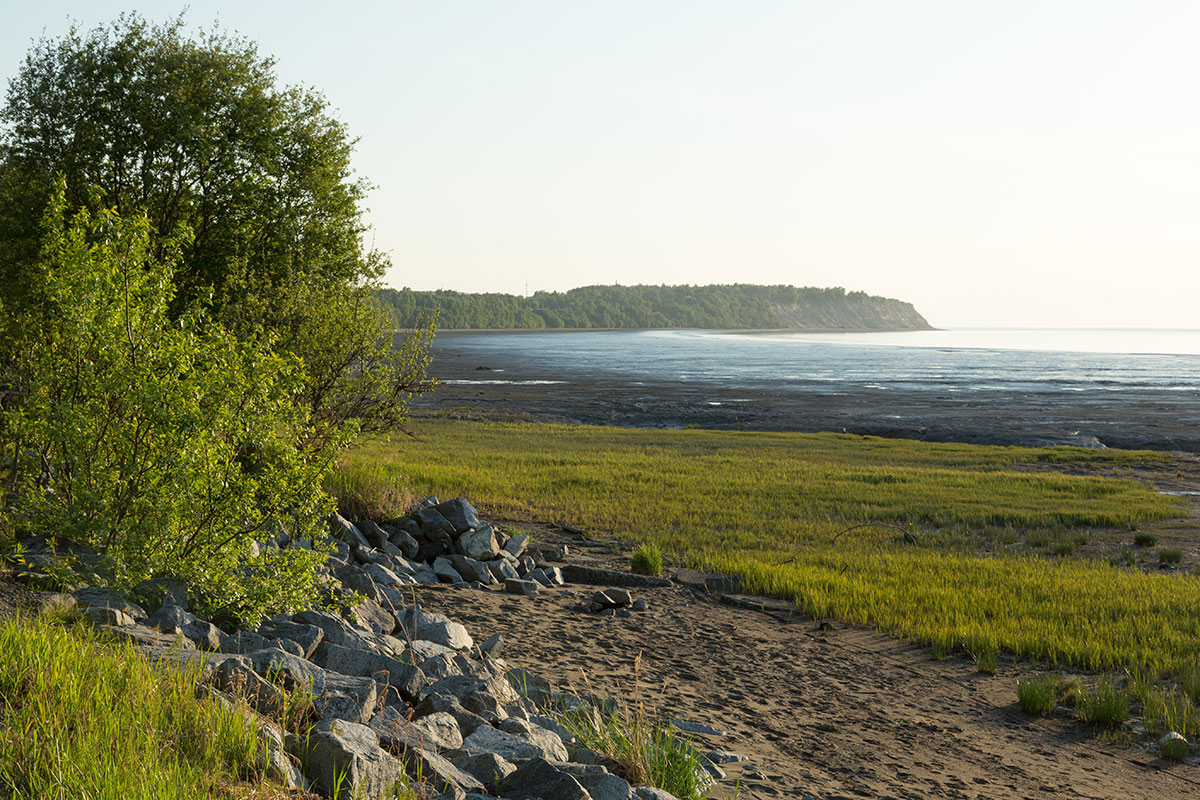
(170,446)
(647,559)
(1036,694)
(1170,555)
(369,492)
(1064,548)
(1145,539)
(1103,704)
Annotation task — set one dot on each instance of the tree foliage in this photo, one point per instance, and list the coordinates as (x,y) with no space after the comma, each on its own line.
(193,132)
(168,443)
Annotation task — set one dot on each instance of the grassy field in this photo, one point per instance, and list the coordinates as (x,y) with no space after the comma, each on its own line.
(769,506)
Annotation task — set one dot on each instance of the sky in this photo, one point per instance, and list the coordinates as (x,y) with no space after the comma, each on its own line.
(997,164)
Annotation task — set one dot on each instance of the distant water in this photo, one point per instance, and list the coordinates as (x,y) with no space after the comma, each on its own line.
(946,361)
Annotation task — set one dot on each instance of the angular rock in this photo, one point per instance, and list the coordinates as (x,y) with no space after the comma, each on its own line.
(650,793)
(273,758)
(487,739)
(577,573)
(488,768)
(420,650)
(405,678)
(433,627)
(480,544)
(344,530)
(440,772)
(235,677)
(471,569)
(247,642)
(525,565)
(516,545)
(306,636)
(100,615)
(431,521)
(145,638)
(459,513)
(382,575)
(538,779)
(403,538)
(374,617)
(438,667)
(290,671)
(367,555)
(549,741)
(333,629)
(169,619)
(434,703)
(376,536)
(204,635)
(603,785)
(502,570)
(526,684)
(445,571)
(639,605)
(342,755)
(724,757)
(346,697)
(99,597)
(493,645)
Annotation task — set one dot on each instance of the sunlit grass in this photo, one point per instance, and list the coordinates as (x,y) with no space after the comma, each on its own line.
(769,506)
(83,718)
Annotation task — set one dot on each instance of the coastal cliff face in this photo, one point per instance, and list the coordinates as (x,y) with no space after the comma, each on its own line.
(852,312)
(730,306)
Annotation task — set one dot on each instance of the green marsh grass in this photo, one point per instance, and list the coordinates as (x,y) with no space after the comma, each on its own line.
(1103,704)
(87,718)
(1169,555)
(647,559)
(1036,694)
(767,507)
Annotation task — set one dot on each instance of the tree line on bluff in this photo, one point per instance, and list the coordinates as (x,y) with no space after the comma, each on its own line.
(719,306)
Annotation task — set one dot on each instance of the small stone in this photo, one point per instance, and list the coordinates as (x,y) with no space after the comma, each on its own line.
(492,645)
(639,605)
(523,587)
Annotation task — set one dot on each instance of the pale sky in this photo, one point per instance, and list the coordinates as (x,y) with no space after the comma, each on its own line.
(1004,163)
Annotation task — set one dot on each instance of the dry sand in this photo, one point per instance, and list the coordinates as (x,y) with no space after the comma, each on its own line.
(845,713)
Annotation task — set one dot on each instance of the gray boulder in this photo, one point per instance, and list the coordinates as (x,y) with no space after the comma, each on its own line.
(204,635)
(549,741)
(169,619)
(603,785)
(537,779)
(376,536)
(471,569)
(333,629)
(431,522)
(405,678)
(371,616)
(650,793)
(402,537)
(382,575)
(345,531)
(480,544)
(513,747)
(99,597)
(433,627)
(307,637)
(489,768)
(502,570)
(521,587)
(440,772)
(460,514)
(515,546)
(435,703)
(348,698)
(445,571)
(107,616)
(339,751)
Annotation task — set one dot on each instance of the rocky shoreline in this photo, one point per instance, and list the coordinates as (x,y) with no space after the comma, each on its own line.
(401,692)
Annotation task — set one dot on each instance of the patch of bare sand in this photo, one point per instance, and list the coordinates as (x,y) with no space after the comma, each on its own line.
(845,713)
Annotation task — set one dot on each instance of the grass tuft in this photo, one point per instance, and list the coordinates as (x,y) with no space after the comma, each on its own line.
(647,559)
(1036,694)
(1145,539)
(1170,555)
(1103,704)
(368,491)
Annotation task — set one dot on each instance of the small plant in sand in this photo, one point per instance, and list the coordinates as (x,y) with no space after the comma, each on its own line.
(1064,548)
(647,559)
(648,751)
(1145,539)
(1170,555)
(1103,704)
(1036,694)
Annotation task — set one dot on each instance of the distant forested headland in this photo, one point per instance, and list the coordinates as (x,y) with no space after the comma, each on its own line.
(720,306)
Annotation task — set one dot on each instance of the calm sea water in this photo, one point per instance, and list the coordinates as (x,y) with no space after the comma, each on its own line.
(947,361)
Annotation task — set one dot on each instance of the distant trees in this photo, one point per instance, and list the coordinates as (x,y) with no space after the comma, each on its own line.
(719,306)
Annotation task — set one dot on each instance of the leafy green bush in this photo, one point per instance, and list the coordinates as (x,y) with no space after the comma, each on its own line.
(647,559)
(1036,694)
(168,444)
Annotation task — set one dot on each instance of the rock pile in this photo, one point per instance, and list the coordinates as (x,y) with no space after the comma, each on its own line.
(397,690)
